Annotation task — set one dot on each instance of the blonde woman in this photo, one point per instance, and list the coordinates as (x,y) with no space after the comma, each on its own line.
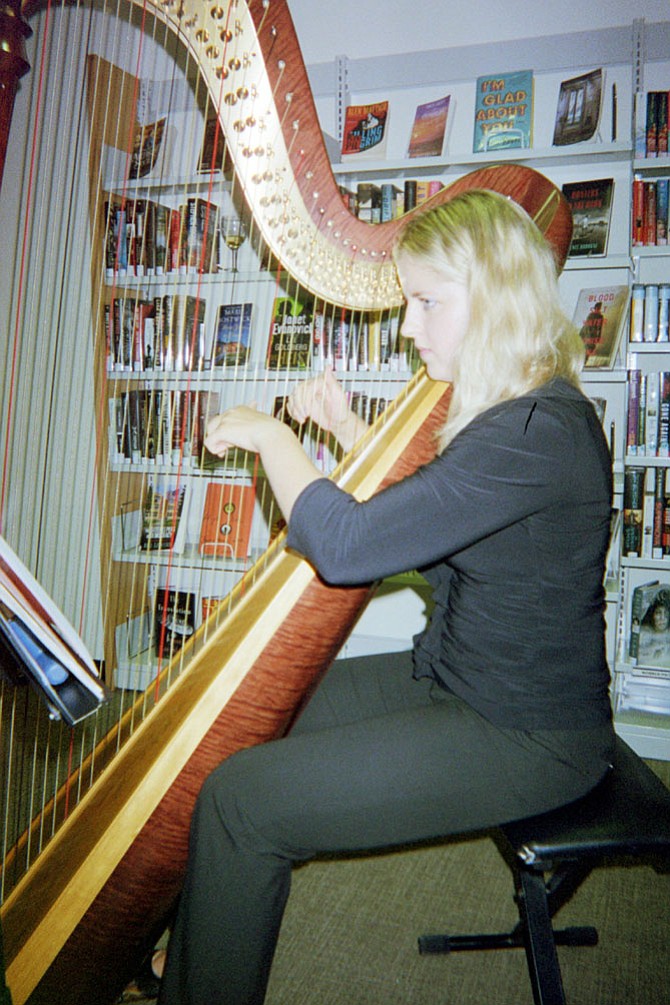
(502,708)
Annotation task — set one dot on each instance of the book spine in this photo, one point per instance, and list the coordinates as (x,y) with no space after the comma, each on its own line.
(651,144)
(651,416)
(633,410)
(664,416)
(662,210)
(650,312)
(637,236)
(659,496)
(636,323)
(649,218)
(648,511)
(633,501)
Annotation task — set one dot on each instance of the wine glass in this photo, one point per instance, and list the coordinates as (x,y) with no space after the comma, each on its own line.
(234,233)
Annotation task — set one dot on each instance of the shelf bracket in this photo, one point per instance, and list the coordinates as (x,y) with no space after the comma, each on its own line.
(341,93)
(638,55)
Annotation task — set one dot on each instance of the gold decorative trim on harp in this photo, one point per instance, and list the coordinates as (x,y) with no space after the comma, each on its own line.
(79,921)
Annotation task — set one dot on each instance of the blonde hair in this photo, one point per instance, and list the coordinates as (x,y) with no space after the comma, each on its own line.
(518,335)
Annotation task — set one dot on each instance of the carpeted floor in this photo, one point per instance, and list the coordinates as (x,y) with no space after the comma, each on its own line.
(350,931)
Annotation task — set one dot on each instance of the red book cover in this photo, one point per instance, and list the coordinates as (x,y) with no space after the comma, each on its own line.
(226,520)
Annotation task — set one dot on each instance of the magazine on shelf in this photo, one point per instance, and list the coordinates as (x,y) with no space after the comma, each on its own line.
(43,647)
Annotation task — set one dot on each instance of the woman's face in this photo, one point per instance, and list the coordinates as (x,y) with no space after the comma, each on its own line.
(436,317)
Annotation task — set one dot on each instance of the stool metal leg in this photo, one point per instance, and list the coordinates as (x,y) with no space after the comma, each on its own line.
(543,967)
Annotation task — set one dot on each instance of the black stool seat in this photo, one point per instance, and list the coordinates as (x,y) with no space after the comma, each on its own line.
(627,814)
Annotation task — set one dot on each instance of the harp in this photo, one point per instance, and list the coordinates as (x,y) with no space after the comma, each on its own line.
(92,873)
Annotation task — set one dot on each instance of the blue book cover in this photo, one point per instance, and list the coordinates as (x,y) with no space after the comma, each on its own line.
(231,338)
(503,111)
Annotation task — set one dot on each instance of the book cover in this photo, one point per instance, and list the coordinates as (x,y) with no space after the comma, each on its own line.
(147,142)
(599,316)
(174,620)
(231,336)
(365,130)
(429,128)
(212,152)
(503,111)
(649,643)
(579,107)
(591,205)
(226,520)
(289,345)
(163,514)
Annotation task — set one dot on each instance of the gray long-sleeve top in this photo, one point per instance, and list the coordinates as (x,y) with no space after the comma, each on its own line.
(510,526)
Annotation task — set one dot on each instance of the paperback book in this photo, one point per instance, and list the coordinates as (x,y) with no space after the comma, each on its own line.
(289,345)
(591,205)
(429,128)
(231,337)
(147,142)
(164,514)
(174,621)
(599,316)
(504,111)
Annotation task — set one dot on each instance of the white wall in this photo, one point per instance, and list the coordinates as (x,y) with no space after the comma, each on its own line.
(359,28)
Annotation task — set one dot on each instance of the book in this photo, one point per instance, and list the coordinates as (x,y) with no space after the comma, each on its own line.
(429,128)
(655,129)
(174,620)
(213,150)
(42,647)
(365,131)
(591,205)
(633,501)
(163,514)
(291,328)
(147,142)
(231,335)
(369,202)
(579,107)
(226,520)
(503,111)
(649,641)
(600,316)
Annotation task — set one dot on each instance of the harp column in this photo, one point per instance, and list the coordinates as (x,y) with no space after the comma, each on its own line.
(13,65)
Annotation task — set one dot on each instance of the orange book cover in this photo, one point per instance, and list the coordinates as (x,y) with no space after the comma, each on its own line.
(226,520)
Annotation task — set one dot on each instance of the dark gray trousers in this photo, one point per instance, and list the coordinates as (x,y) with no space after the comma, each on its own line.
(376,760)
